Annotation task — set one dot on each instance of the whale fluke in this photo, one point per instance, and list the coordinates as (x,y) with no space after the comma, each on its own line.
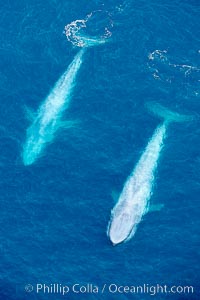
(166,114)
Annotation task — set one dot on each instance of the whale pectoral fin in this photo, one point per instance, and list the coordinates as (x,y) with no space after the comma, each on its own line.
(30,113)
(115,195)
(156,207)
(69,124)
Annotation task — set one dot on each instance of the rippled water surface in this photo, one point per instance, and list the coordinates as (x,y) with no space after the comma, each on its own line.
(54,213)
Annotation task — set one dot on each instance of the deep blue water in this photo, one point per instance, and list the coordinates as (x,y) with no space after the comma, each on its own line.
(54,214)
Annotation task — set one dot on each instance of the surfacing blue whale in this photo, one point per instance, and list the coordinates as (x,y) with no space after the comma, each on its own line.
(48,118)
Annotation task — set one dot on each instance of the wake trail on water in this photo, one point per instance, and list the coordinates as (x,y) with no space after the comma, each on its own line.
(164,67)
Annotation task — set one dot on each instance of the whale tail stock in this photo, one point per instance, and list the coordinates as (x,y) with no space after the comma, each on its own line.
(166,114)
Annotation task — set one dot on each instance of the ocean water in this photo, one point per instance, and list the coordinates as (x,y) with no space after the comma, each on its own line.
(54,213)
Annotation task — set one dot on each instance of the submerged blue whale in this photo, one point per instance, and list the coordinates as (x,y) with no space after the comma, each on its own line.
(134,201)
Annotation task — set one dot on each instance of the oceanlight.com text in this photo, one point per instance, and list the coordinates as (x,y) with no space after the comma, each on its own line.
(151,289)
(112,288)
